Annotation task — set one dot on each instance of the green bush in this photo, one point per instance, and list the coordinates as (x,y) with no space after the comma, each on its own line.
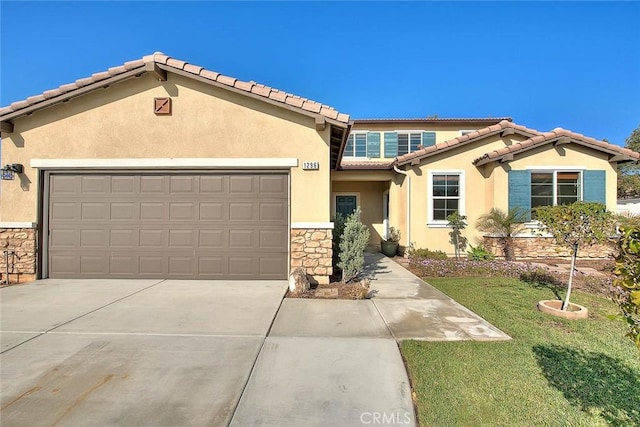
(479,253)
(353,242)
(628,281)
(419,254)
(338,228)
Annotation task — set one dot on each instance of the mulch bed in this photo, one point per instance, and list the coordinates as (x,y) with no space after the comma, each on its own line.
(336,290)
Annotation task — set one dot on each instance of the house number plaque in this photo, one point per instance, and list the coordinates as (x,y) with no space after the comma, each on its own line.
(310,166)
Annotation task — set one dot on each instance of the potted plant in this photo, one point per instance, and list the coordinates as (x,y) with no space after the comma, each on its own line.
(389,244)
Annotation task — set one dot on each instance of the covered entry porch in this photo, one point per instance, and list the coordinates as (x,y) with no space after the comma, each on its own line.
(372,192)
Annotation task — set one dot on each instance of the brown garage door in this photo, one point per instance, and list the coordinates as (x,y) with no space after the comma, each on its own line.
(170,225)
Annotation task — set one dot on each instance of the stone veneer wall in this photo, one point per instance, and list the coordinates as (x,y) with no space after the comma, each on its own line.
(311,249)
(545,247)
(22,263)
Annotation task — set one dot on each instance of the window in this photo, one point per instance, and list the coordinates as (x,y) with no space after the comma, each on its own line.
(446,194)
(466,131)
(547,186)
(555,188)
(363,145)
(408,142)
(400,143)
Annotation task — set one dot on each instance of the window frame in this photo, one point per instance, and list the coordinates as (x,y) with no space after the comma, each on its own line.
(366,145)
(438,223)
(554,172)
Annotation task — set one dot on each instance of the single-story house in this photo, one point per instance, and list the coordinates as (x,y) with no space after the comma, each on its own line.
(162,169)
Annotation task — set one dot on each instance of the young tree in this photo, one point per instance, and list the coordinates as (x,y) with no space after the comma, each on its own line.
(457,223)
(355,238)
(505,225)
(575,225)
(629,173)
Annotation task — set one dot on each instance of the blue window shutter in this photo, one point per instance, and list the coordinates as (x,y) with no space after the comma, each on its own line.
(520,191)
(390,144)
(348,149)
(428,139)
(373,144)
(594,186)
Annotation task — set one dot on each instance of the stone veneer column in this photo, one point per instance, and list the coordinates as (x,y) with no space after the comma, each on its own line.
(311,249)
(21,244)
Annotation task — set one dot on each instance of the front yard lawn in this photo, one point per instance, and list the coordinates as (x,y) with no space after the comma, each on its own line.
(553,373)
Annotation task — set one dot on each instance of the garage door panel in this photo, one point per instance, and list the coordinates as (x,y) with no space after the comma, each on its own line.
(123,238)
(150,211)
(179,225)
(213,211)
(124,185)
(95,184)
(214,184)
(181,239)
(182,211)
(123,211)
(94,238)
(64,265)
(94,264)
(152,184)
(61,211)
(213,239)
(242,211)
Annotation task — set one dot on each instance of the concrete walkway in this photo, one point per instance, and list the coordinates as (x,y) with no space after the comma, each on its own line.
(413,309)
(337,362)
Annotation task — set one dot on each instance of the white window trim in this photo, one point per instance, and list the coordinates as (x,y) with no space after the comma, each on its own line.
(555,180)
(366,145)
(461,205)
(343,193)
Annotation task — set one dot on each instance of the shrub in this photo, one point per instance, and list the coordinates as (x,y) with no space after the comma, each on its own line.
(353,242)
(628,281)
(338,229)
(417,255)
(479,253)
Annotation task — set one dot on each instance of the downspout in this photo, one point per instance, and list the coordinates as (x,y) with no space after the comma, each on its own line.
(401,172)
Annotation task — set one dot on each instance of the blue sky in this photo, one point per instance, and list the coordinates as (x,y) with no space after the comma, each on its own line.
(546,64)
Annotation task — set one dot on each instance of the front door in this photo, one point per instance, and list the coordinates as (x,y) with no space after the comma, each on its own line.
(346,205)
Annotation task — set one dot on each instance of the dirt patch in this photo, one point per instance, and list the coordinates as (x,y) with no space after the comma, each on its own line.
(336,290)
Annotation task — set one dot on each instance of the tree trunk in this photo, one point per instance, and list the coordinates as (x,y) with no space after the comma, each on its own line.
(507,247)
(565,304)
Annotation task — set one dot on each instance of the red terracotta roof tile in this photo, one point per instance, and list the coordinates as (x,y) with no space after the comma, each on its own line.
(436,119)
(66,91)
(463,139)
(360,165)
(552,136)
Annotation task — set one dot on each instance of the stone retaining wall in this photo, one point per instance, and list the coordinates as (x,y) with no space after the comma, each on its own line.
(545,247)
(21,243)
(311,249)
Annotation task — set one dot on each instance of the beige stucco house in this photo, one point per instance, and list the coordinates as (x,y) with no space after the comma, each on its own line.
(159,168)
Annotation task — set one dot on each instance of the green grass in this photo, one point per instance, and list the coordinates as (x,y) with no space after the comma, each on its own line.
(554,372)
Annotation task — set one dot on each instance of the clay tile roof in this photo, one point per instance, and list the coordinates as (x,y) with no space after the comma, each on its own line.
(360,165)
(436,119)
(463,139)
(168,63)
(553,136)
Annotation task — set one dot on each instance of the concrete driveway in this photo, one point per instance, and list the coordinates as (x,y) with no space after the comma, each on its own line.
(130,352)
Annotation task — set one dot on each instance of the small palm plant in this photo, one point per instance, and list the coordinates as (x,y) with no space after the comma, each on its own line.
(505,225)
